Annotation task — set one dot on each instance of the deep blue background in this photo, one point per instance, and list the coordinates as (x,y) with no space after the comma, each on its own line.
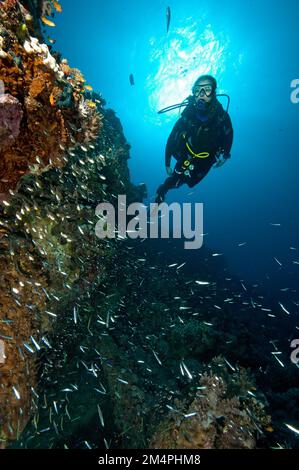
(254,55)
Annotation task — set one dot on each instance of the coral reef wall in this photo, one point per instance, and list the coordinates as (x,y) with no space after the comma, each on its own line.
(53,133)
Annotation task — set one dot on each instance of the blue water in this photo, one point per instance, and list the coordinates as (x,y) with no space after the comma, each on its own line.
(251,47)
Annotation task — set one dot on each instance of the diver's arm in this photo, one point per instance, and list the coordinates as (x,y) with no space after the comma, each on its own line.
(228,136)
(227,142)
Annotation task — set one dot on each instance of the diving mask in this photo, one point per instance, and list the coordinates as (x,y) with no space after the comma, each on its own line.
(201,90)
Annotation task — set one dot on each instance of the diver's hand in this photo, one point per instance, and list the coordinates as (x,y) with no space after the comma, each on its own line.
(220,160)
(169,170)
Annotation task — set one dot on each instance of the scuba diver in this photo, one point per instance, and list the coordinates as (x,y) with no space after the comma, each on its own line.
(200,139)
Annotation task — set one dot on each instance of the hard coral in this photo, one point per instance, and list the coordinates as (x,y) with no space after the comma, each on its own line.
(3,54)
(212,421)
(8,4)
(47,8)
(10,118)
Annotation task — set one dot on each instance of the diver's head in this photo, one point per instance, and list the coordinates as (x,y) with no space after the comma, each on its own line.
(204,91)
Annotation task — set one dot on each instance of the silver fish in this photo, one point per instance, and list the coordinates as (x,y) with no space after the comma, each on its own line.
(101,416)
(16,393)
(292,428)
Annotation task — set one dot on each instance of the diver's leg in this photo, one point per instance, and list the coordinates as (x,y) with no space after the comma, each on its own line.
(174,181)
(198,176)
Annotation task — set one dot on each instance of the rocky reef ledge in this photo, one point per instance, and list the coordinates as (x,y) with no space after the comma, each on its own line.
(61,153)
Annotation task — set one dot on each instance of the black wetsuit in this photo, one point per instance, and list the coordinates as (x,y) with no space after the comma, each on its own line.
(193,136)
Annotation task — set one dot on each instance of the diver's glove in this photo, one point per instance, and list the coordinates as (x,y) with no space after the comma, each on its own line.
(221,159)
(169,171)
